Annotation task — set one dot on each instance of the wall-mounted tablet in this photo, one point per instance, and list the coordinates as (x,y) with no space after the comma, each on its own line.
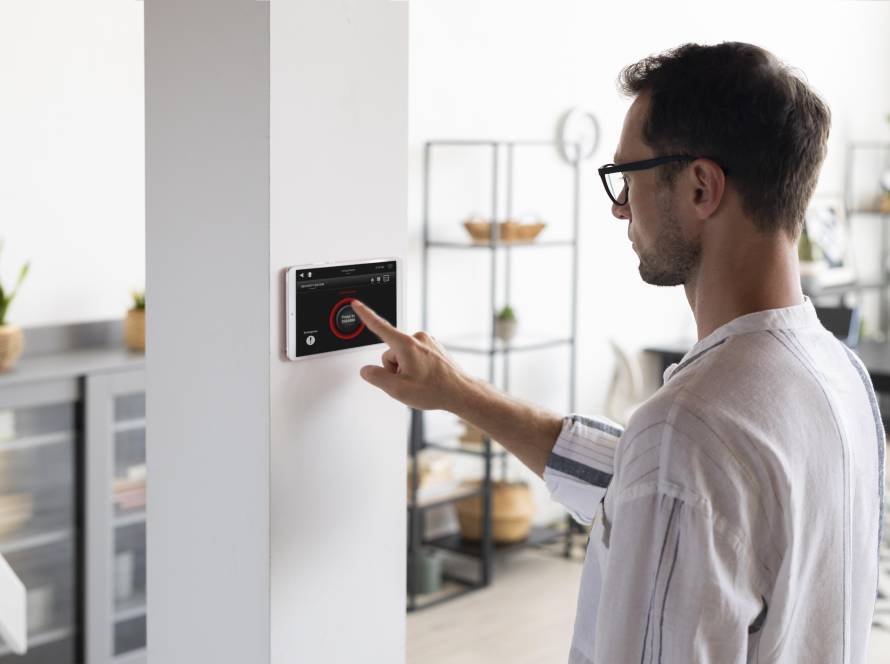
(320,319)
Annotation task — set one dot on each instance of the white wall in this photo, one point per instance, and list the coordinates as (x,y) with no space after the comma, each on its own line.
(506,69)
(277,491)
(72,165)
(339,132)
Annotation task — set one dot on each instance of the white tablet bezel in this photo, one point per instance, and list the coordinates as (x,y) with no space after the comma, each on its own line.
(290,303)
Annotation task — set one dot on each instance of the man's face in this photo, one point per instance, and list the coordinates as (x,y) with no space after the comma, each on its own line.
(667,257)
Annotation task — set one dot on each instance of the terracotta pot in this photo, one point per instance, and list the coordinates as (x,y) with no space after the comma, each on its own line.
(12,342)
(134,329)
(511,513)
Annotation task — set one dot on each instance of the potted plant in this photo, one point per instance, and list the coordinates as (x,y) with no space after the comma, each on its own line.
(12,340)
(134,323)
(505,324)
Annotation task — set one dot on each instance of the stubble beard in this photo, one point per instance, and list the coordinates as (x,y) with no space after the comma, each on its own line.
(673,258)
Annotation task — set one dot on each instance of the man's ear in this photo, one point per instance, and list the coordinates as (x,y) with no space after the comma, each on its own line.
(709,186)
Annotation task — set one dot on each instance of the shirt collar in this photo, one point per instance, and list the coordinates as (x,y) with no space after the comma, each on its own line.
(785,318)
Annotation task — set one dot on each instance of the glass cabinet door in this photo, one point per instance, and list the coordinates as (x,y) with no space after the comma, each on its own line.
(39,533)
(128,496)
(116,479)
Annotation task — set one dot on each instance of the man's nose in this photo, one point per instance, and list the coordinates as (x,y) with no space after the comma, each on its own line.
(621,211)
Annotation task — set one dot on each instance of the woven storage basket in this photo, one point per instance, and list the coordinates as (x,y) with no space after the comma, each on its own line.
(512,509)
(12,341)
(134,329)
(508,231)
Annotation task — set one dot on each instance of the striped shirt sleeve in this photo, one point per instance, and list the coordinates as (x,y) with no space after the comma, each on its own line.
(580,466)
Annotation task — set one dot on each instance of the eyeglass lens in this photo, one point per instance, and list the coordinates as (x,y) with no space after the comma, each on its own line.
(617,187)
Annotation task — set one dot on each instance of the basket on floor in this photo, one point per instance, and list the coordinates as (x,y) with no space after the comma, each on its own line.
(511,513)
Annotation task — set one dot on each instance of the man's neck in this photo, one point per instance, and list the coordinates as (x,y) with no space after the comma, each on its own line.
(757,274)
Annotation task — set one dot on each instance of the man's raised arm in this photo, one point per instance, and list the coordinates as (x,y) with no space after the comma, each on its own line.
(573,454)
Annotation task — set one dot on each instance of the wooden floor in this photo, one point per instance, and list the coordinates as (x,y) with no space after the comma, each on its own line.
(525,617)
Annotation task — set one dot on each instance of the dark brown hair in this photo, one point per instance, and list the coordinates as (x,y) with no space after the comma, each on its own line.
(739,105)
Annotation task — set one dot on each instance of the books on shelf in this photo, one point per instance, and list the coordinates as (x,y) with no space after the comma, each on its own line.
(15,510)
(129,491)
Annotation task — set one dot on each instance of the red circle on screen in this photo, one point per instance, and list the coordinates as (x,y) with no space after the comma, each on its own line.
(338,333)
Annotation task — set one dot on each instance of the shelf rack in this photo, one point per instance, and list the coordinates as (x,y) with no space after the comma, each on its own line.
(853,209)
(484,550)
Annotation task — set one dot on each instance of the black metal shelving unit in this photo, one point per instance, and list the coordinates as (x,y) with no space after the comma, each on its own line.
(880,151)
(484,551)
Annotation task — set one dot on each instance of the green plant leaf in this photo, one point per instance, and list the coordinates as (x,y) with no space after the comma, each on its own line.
(138,299)
(506,313)
(22,274)
(7,298)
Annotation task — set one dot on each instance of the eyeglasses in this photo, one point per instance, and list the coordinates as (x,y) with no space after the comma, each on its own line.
(613,179)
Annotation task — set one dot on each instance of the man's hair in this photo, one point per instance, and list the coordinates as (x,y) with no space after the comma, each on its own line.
(737,104)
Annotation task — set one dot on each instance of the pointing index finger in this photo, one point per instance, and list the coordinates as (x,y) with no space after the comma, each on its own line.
(377,324)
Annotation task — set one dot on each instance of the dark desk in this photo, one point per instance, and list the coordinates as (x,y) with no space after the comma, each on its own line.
(875,356)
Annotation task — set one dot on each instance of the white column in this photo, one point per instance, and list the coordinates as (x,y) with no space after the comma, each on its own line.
(339,176)
(276,135)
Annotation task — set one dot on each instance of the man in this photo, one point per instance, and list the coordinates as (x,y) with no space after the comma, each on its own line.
(744,502)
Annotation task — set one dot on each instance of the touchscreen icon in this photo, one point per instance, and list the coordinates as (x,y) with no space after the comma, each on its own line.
(344,322)
(310,340)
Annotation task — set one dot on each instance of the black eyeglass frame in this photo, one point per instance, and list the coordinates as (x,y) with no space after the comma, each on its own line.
(642,165)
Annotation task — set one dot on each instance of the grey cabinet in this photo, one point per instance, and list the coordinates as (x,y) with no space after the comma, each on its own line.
(115,498)
(72,503)
(40,535)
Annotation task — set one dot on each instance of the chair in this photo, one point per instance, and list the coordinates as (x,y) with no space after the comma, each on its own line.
(842,322)
(628,389)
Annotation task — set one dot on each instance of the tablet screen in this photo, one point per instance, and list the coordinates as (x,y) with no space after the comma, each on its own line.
(325,320)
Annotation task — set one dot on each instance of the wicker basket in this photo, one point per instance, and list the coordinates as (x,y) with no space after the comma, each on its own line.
(134,329)
(512,509)
(12,342)
(508,231)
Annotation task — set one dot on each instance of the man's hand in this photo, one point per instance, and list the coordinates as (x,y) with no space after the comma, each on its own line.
(418,372)
(416,369)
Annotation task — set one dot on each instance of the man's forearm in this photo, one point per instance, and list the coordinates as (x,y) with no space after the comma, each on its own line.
(528,431)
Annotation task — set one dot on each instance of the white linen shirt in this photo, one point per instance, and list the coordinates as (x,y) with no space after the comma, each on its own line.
(742,517)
